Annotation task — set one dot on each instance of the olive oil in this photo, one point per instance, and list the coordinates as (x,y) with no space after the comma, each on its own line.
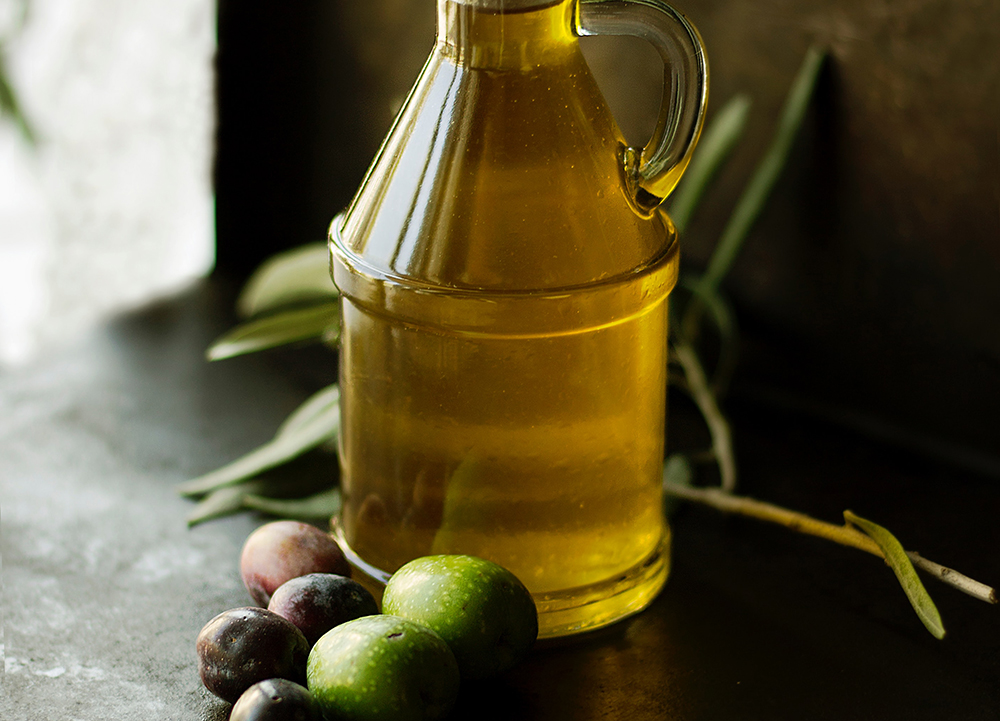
(503,347)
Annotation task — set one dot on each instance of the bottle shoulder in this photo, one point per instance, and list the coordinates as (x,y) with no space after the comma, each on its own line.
(504,180)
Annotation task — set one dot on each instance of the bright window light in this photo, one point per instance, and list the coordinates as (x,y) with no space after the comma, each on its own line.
(112,205)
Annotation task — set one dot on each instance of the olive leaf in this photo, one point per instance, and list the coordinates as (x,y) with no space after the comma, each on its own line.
(899,561)
(297,275)
(319,505)
(706,288)
(314,322)
(755,195)
(316,405)
(677,472)
(9,104)
(259,494)
(715,145)
(871,539)
(311,429)
(721,314)
(224,501)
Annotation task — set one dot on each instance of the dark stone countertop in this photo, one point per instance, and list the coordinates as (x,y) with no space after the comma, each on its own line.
(105,588)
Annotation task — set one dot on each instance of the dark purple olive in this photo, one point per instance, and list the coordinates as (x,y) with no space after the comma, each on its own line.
(279,551)
(319,601)
(276,699)
(242,646)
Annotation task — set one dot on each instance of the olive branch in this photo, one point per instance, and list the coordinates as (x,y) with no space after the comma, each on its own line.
(292,299)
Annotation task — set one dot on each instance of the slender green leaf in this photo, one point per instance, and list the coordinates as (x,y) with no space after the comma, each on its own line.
(677,472)
(319,321)
(9,104)
(716,143)
(224,501)
(724,319)
(320,403)
(301,274)
(895,556)
(266,494)
(320,428)
(320,505)
(755,194)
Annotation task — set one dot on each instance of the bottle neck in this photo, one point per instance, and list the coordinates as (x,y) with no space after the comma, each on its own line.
(505,5)
(506,34)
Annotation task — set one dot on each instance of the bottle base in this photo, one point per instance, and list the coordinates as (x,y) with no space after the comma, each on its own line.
(587,608)
(571,611)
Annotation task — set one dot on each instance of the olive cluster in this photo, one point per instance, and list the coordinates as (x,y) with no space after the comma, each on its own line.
(320,648)
(256,656)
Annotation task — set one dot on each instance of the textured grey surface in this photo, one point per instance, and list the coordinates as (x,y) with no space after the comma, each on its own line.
(105,589)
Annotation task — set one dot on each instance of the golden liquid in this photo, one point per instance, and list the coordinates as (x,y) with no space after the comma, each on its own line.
(503,351)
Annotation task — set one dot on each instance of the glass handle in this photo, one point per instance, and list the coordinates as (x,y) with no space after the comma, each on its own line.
(653,172)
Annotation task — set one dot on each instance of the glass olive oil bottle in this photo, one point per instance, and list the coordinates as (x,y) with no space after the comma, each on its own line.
(505,272)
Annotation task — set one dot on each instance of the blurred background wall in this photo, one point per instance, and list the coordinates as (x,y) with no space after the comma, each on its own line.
(105,188)
(868,292)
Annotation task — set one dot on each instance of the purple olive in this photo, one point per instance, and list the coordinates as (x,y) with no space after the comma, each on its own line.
(319,601)
(276,699)
(279,551)
(242,646)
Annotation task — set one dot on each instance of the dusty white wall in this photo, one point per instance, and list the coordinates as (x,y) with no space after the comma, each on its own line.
(113,204)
